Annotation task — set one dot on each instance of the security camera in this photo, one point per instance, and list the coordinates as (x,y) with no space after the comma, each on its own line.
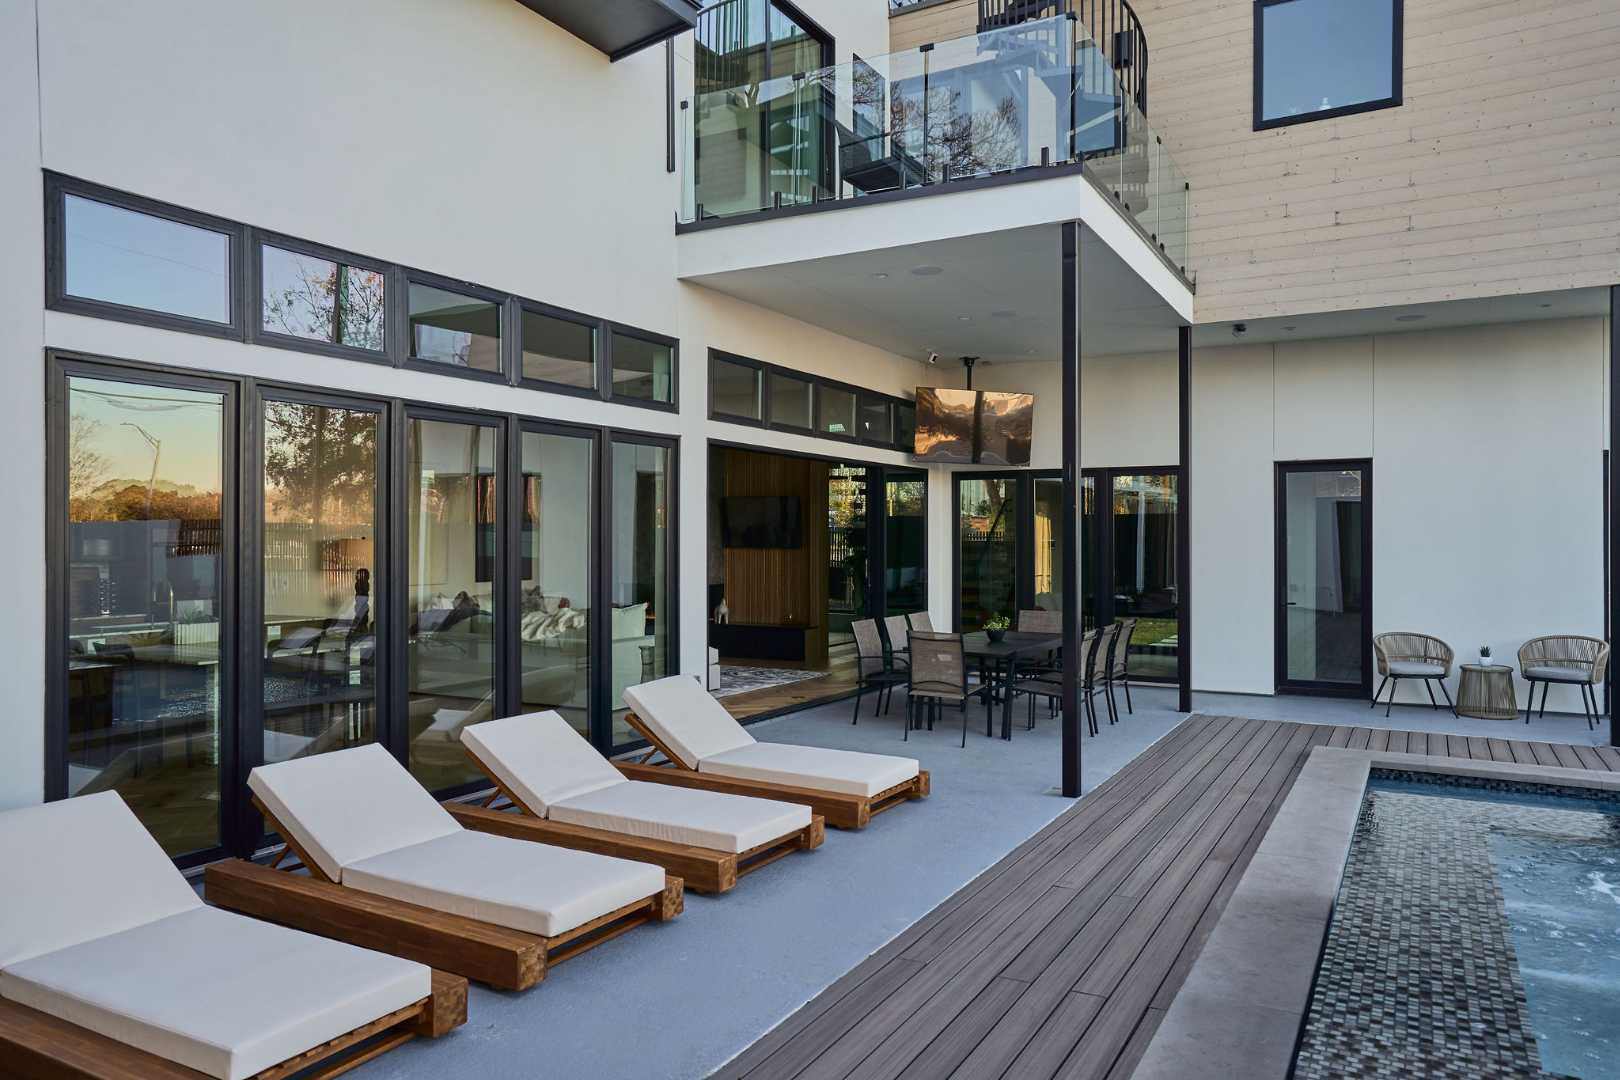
(1239,329)
(933,358)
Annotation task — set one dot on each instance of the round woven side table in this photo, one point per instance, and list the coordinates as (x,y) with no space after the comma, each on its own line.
(1485,691)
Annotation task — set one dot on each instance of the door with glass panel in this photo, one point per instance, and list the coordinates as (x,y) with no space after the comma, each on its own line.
(144,486)
(556,557)
(640,477)
(988,531)
(454,552)
(905,545)
(1324,577)
(322,590)
(1141,580)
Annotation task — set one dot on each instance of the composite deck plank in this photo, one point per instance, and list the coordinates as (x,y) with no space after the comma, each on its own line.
(1061,959)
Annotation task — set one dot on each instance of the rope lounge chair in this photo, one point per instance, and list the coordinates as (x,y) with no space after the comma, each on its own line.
(390,869)
(1409,655)
(1570,659)
(705,748)
(111,966)
(573,797)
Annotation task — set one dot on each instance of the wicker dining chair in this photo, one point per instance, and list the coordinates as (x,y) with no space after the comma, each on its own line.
(1410,655)
(1569,659)
(1119,670)
(872,669)
(938,676)
(894,627)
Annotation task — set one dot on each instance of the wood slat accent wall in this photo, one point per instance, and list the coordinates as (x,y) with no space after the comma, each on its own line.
(781,586)
(938,22)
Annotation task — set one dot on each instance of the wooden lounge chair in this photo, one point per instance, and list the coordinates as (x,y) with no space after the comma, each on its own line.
(111,966)
(705,748)
(572,796)
(389,869)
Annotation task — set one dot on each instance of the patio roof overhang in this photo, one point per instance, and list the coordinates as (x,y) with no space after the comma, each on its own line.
(619,27)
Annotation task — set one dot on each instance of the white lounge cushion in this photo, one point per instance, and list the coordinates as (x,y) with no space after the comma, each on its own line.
(540,759)
(1415,667)
(348,805)
(845,771)
(706,819)
(513,883)
(686,718)
(223,994)
(79,869)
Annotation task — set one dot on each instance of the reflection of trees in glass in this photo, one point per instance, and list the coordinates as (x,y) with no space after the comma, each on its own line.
(318,462)
(86,464)
(958,140)
(326,300)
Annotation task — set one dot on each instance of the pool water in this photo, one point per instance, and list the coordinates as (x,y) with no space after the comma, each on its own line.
(1476,934)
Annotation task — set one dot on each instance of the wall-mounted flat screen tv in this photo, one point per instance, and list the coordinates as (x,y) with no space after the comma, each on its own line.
(760,521)
(965,427)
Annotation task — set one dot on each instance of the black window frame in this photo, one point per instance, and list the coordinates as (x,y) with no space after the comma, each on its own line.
(854,392)
(865,400)
(58,187)
(815,385)
(761,374)
(503,314)
(258,240)
(598,349)
(1397,64)
(611,329)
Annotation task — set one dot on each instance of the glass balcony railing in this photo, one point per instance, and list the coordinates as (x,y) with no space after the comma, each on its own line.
(1031,96)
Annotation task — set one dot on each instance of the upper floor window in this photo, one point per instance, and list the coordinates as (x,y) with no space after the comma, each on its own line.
(643,367)
(454,328)
(1316,59)
(318,299)
(145,262)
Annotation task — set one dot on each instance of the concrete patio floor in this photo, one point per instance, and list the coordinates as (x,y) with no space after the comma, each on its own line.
(679,1000)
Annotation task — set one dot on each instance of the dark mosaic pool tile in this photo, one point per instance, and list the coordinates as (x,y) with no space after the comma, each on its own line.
(1418,975)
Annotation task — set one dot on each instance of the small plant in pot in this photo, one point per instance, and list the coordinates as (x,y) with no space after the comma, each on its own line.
(1485,656)
(995,627)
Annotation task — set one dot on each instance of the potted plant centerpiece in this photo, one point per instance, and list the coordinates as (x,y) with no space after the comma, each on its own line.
(995,627)
(1484,656)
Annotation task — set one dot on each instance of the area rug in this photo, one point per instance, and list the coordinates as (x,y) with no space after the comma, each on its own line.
(737,679)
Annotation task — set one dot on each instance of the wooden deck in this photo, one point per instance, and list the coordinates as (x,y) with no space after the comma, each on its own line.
(1060,960)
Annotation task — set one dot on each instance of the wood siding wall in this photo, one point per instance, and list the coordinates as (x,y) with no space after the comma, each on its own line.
(781,586)
(1500,174)
(937,22)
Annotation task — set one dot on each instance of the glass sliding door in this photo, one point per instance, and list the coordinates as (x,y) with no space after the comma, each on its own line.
(987,524)
(905,547)
(1143,583)
(1048,543)
(641,588)
(323,597)
(556,552)
(148,620)
(452,528)
(1324,561)
(846,552)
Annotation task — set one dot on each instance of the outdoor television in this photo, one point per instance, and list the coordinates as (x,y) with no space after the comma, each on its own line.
(760,521)
(964,427)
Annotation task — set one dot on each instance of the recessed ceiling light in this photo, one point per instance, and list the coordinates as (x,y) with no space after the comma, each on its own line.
(964,318)
(1029,352)
(927,271)
(880,275)
(1546,305)
(1290,329)
(1004,313)
(1410,318)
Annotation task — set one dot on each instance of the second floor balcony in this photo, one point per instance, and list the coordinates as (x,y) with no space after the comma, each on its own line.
(1010,103)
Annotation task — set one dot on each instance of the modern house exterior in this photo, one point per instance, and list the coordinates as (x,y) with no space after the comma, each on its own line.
(367,358)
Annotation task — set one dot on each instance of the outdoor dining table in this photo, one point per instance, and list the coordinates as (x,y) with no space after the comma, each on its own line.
(998,667)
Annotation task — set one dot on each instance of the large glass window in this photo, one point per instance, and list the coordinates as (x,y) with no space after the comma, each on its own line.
(874,420)
(451,521)
(558,350)
(906,544)
(454,329)
(733,389)
(323,599)
(846,551)
(641,587)
(122,256)
(556,552)
(1322,618)
(146,602)
(835,411)
(1048,543)
(321,300)
(987,530)
(643,370)
(1144,582)
(1318,58)
(790,401)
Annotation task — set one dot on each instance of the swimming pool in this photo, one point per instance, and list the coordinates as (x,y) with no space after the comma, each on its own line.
(1476,933)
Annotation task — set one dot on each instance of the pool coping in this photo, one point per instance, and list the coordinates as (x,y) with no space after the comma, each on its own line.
(1240,1009)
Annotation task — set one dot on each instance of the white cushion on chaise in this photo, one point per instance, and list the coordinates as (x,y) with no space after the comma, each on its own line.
(699,730)
(557,774)
(377,830)
(112,938)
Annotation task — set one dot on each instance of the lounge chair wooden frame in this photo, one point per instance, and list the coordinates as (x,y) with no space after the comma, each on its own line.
(705,870)
(39,1046)
(841,811)
(485,952)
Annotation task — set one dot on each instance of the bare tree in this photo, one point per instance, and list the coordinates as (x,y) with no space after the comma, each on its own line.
(87,467)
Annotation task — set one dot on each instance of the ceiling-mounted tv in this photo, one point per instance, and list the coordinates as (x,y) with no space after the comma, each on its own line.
(966,427)
(760,521)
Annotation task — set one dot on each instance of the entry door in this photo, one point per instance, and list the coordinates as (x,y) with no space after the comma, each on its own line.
(1324,577)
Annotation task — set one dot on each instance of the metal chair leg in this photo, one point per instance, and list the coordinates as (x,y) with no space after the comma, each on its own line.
(1542,715)
(859,690)
(1128,706)
(1377,692)
(1394,684)
(1446,694)
(1428,684)
(911,714)
(1530,705)
(964,723)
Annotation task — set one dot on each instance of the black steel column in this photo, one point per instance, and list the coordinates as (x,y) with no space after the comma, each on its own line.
(1613,554)
(1184,529)
(1069,356)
